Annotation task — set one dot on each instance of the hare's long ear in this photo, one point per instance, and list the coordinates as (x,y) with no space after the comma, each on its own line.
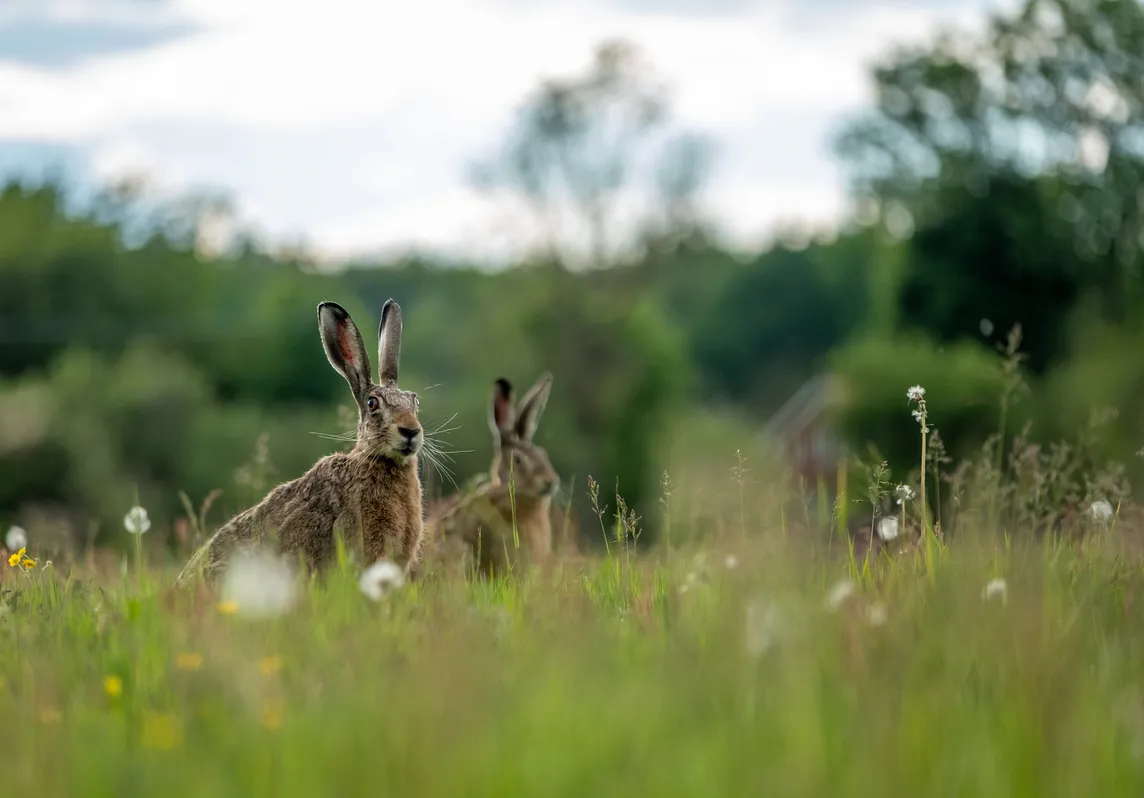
(389,342)
(500,411)
(345,348)
(532,407)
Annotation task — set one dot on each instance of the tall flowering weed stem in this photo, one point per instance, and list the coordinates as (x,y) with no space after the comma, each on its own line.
(917,397)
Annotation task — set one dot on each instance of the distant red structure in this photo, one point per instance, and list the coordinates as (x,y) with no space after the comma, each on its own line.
(803,428)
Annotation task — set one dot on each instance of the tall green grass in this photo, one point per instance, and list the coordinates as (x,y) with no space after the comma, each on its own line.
(992,649)
(701,675)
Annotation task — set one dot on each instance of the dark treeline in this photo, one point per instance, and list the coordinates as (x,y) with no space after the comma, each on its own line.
(996,183)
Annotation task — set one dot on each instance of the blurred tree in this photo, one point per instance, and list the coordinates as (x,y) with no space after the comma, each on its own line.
(1015,159)
(776,317)
(588,151)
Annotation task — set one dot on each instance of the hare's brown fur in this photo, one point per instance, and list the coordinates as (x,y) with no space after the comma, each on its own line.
(477,525)
(371,493)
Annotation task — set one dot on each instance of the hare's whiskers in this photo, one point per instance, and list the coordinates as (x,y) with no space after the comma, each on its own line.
(444,423)
(432,458)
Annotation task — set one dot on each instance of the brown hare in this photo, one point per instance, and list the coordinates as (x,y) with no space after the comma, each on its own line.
(372,492)
(476,526)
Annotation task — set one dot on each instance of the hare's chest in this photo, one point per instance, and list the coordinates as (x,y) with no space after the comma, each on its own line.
(373,495)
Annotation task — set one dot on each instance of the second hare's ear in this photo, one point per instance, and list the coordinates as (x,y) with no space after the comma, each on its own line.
(345,348)
(532,406)
(389,342)
(500,412)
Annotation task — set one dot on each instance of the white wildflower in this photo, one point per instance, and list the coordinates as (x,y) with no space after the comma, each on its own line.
(689,582)
(903,493)
(731,562)
(136,521)
(888,527)
(876,614)
(916,394)
(764,625)
(381,579)
(16,539)
(1101,510)
(996,589)
(838,594)
(259,584)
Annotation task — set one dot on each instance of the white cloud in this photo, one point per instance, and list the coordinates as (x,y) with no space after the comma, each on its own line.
(448,73)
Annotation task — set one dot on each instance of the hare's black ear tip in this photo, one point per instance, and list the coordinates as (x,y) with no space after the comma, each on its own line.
(387,306)
(503,385)
(332,307)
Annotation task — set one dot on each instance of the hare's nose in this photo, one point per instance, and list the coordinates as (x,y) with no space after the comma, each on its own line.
(409,433)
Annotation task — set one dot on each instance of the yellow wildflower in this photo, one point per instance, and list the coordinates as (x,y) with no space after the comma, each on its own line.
(188,661)
(14,560)
(227,607)
(271,715)
(113,686)
(161,732)
(27,563)
(270,665)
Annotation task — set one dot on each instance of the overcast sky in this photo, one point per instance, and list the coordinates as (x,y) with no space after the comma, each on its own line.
(352,123)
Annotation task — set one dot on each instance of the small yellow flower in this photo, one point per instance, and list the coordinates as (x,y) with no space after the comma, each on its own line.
(161,731)
(188,660)
(271,715)
(113,686)
(227,607)
(270,665)
(27,563)
(14,560)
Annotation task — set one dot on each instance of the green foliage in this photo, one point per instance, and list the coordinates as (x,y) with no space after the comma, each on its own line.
(160,375)
(775,318)
(963,384)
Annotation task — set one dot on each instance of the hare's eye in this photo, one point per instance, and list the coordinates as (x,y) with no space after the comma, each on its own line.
(371,404)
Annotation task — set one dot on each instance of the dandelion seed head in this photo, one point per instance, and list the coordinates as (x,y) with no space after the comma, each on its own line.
(16,538)
(764,626)
(259,585)
(136,521)
(996,589)
(381,579)
(888,527)
(1101,510)
(903,493)
(916,393)
(838,594)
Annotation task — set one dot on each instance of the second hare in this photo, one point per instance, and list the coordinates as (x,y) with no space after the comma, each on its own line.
(477,526)
(372,492)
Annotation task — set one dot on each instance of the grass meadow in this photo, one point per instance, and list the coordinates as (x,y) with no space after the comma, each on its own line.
(751,652)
